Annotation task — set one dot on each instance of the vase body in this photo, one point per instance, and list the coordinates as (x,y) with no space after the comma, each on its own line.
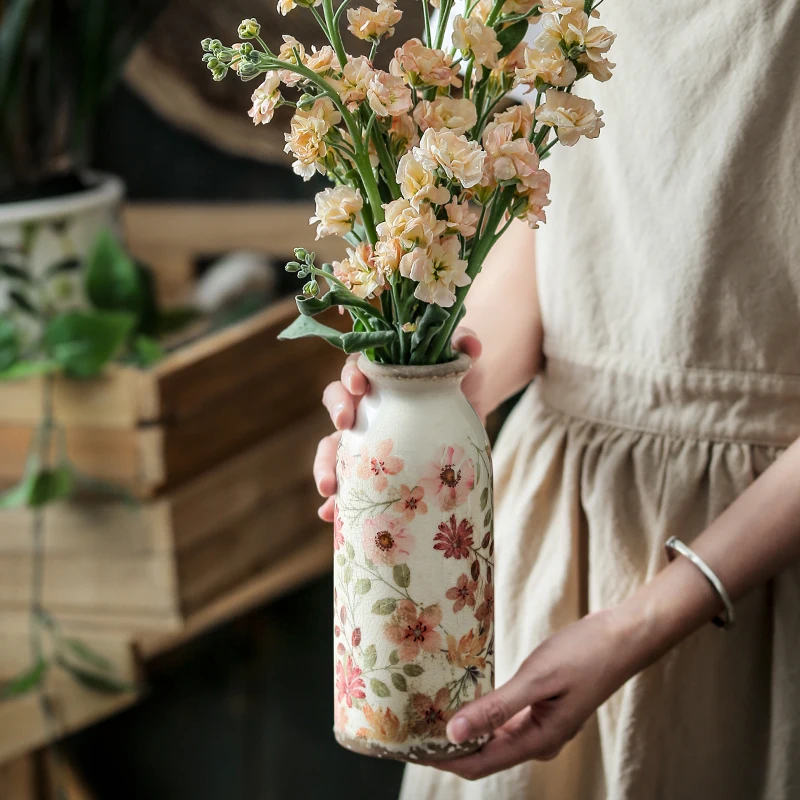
(413,575)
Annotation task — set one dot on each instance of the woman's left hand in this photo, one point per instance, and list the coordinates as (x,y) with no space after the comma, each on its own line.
(547,702)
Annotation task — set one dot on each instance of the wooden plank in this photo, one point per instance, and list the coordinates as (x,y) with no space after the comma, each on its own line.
(18,779)
(313,559)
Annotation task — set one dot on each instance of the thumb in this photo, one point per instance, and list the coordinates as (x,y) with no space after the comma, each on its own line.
(466,341)
(491,711)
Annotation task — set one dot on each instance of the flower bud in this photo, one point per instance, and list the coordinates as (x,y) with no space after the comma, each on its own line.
(300,253)
(249,28)
(217,68)
(246,49)
(206,45)
(248,70)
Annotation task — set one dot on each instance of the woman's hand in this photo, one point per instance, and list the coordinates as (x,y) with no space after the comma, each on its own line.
(341,399)
(547,702)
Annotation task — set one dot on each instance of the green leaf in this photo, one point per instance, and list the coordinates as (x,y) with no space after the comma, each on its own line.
(29,369)
(358,342)
(340,560)
(399,682)
(86,485)
(311,306)
(112,279)
(385,606)
(432,322)
(402,575)
(17,273)
(71,264)
(393,657)
(347,575)
(305,326)
(370,657)
(9,344)
(413,670)
(85,653)
(148,351)
(97,682)
(511,36)
(174,319)
(348,548)
(27,680)
(84,342)
(484,498)
(363,585)
(487,520)
(22,302)
(39,488)
(379,688)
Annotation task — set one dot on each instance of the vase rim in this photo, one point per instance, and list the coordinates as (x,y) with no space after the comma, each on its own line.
(456,368)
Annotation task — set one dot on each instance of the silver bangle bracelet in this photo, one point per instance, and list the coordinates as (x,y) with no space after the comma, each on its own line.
(673,546)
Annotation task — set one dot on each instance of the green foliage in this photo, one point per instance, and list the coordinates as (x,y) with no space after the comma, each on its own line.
(511,36)
(9,344)
(26,681)
(39,487)
(112,280)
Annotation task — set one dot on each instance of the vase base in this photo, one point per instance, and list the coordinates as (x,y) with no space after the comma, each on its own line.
(418,755)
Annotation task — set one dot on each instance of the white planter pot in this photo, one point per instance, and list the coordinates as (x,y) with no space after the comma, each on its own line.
(414,558)
(37,234)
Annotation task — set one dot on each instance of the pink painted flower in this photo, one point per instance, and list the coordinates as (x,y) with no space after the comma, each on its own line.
(412,632)
(429,715)
(454,539)
(450,479)
(338,529)
(386,540)
(348,683)
(463,593)
(411,503)
(377,467)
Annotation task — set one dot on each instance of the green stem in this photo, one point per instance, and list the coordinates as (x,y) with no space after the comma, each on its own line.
(427,15)
(333,31)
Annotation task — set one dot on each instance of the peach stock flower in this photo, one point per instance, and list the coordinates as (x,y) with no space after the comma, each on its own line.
(352,86)
(455,155)
(266,98)
(410,502)
(322,61)
(461,218)
(388,95)
(458,115)
(404,132)
(360,273)
(290,50)
(349,684)
(418,184)
(413,227)
(305,139)
(368,24)
(509,158)
(550,66)
(388,253)
(520,116)
(449,479)
(386,540)
(285,6)
(377,467)
(536,199)
(438,271)
(384,726)
(412,632)
(571,116)
(473,38)
(423,66)
(336,209)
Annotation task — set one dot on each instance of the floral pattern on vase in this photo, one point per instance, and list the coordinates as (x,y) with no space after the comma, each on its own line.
(413,594)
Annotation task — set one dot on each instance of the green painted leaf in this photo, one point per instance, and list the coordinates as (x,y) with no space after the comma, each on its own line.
(487,520)
(17,273)
(393,657)
(484,498)
(29,369)
(385,606)
(511,36)
(85,653)
(399,682)
(433,320)
(23,302)
(370,657)
(379,688)
(112,279)
(347,575)
(340,560)
(62,266)
(25,681)
(413,670)
(84,342)
(96,681)
(348,548)
(363,585)
(402,575)
(9,344)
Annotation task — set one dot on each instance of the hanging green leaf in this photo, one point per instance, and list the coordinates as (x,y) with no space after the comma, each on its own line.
(484,498)
(39,488)
(385,606)
(26,681)
(305,326)
(394,658)
(96,681)
(413,670)
(511,36)
(402,575)
(379,688)
(370,657)
(83,342)
(112,279)
(85,653)
(399,682)
(357,342)
(29,369)
(336,296)
(429,325)
(9,344)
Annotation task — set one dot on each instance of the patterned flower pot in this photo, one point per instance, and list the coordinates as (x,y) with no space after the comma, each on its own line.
(413,592)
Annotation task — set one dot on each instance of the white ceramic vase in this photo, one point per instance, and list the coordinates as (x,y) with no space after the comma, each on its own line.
(413,597)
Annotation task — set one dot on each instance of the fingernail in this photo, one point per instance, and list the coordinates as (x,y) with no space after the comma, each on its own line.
(338,411)
(458,730)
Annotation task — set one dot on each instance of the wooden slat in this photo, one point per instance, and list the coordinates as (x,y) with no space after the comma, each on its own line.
(18,779)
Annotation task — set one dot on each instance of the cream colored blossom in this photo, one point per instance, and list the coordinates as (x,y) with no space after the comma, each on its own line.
(388,253)
(266,98)
(413,227)
(419,65)
(513,61)
(438,271)
(535,201)
(305,139)
(287,52)
(336,209)
(551,67)
(556,28)
(322,61)
(564,7)
(459,157)
(418,184)
(368,24)
(481,10)
(352,86)
(404,132)
(359,273)
(388,95)
(571,116)
(458,115)
(473,38)
(522,7)
(599,68)
(285,6)
(461,218)
(520,116)
(509,158)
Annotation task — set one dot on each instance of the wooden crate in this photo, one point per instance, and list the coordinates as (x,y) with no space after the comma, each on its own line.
(151,430)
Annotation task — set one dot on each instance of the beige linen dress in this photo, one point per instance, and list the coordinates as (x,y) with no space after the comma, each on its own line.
(669,276)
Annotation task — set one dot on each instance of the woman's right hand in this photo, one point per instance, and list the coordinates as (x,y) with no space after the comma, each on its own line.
(341,398)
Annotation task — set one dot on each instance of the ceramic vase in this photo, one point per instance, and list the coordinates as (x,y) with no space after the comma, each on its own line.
(414,594)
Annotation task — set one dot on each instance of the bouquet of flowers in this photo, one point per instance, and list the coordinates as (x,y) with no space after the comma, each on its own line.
(427,172)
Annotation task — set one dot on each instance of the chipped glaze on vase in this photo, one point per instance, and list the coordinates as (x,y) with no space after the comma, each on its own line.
(413,575)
